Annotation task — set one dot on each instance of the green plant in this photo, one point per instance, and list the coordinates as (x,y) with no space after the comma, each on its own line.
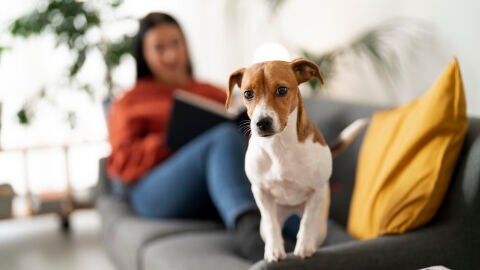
(274,5)
(2,49)
(70,22)
(382,46)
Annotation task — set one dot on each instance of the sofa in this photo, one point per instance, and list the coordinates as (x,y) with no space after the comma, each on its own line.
(450,239)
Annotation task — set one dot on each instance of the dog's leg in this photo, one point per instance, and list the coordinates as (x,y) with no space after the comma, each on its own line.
(270,228)
(313,226)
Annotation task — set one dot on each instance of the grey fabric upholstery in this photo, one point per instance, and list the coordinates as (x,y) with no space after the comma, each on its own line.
(413,250)
(111,210)
(336,234)
(197,250)
(451,239)
(132,235)
(124,235)
(331,117)
(211,250)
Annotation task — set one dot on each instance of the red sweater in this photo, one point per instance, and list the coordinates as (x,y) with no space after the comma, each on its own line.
(137,125)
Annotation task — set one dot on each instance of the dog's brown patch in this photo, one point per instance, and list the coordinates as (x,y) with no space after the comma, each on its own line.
(305,126)
(265,78)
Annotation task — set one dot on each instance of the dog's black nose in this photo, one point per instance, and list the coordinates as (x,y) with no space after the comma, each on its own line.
(265,124)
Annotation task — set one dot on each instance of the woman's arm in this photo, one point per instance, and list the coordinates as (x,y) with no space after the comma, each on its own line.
(134,150)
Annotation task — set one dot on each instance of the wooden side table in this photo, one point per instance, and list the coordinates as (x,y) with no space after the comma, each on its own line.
(53,202)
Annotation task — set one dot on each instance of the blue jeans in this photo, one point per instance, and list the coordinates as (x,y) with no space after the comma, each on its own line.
(204,175)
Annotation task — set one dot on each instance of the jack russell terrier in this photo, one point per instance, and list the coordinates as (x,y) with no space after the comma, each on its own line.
(288,161)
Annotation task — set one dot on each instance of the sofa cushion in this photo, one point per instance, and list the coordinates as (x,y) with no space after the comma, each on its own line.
(337,234)
(194,250)
(111,209)
(210,250)
(130,235)
(407,160)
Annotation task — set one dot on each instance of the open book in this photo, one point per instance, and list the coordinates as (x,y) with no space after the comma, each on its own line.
(193,114)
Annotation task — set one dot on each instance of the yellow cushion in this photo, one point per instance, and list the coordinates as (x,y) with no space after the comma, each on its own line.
(407,159)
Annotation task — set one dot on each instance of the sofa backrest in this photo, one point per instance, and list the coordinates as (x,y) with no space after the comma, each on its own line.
(462,202)
(331,117)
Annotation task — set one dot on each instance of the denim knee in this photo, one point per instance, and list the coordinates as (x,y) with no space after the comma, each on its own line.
(226,130)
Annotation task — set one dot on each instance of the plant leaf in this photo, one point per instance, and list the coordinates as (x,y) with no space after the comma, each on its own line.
(25,115)
(325,63)
(377,44)
(69,21)
(79,61)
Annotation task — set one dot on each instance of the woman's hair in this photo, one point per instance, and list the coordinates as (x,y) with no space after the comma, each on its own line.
(148,22)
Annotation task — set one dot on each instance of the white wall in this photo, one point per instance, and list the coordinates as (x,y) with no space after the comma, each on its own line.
(224,36)
(321,25)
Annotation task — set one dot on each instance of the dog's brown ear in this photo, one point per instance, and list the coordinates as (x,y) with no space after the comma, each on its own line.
(235,79)
(305,70)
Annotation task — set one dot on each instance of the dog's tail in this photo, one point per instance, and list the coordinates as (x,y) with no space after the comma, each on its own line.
(346,137)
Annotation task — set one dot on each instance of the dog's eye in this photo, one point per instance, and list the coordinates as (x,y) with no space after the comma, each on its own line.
(248,94)
(281,91)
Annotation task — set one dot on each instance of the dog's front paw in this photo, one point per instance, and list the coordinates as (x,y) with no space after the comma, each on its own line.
(304,250)
(275,253)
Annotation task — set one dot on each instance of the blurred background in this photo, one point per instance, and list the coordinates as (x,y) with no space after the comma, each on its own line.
(61,60)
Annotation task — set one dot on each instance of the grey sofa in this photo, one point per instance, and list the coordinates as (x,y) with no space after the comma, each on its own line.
(451,239)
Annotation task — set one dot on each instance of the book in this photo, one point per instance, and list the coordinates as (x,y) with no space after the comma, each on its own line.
(192,115)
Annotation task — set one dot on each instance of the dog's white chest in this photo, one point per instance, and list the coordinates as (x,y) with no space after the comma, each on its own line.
(289,170)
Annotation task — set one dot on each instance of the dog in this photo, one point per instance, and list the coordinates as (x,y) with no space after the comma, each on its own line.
(288,161)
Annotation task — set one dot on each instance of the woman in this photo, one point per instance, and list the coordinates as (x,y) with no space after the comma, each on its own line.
(203,178)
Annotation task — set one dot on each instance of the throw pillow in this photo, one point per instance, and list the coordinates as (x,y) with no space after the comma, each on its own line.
(407,159)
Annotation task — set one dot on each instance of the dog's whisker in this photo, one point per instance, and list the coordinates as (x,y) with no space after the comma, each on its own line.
(245,129)
(244,126)
(243,122)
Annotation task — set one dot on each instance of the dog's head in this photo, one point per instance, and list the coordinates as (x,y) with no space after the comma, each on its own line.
(270,92)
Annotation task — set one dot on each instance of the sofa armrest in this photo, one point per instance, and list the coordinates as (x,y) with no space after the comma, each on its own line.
(441,245)
(103,186)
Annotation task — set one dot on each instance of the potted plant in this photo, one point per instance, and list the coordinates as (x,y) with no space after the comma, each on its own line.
(71,22)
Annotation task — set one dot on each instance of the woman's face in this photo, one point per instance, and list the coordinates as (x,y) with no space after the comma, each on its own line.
(165,53)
